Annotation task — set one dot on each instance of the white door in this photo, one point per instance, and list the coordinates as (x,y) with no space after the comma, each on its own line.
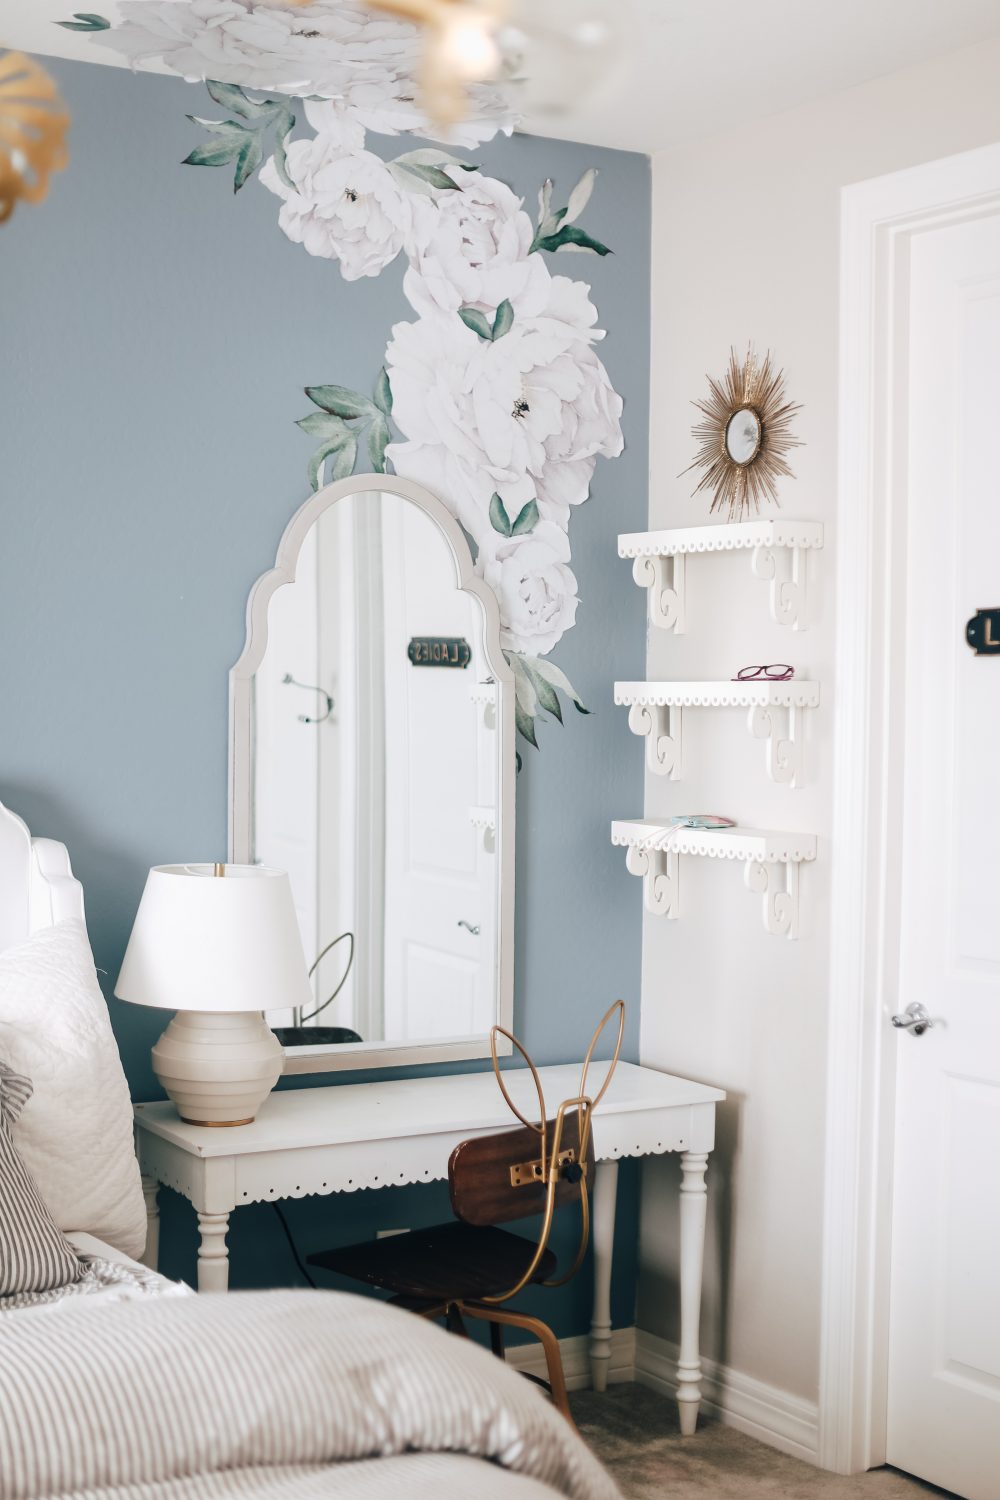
(944,1338)
(440,880)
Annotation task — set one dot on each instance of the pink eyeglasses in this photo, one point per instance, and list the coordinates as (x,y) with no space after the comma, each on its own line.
(775,672)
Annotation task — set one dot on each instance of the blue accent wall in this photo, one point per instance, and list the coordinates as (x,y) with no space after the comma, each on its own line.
(157,332)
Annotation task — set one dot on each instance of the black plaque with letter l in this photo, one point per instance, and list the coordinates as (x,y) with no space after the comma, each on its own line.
(983,632)
(439,651)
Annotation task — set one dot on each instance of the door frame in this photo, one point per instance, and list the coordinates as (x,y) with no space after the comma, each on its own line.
(879,220)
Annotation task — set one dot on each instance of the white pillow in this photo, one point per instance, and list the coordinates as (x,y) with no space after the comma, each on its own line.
(75,1133)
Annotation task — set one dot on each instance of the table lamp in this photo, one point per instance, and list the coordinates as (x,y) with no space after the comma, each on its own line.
(218,944)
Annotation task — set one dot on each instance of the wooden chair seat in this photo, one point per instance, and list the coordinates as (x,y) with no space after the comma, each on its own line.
(450,1262)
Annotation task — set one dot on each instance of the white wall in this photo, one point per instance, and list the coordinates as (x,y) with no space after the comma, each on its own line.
(745,246)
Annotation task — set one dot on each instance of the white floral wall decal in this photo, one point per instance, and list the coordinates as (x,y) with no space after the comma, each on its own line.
(493,394)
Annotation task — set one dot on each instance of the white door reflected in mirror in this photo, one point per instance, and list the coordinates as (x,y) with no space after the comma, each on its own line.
(370,760)
(743,435)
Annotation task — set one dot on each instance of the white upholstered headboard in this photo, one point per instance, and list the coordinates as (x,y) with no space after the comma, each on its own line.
(37,885)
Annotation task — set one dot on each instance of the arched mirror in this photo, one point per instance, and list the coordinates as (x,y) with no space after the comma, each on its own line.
(372,757)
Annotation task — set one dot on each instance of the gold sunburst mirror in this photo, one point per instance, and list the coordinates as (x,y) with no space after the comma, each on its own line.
(744,437)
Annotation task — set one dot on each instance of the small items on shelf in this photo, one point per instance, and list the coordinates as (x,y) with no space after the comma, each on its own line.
(659,564)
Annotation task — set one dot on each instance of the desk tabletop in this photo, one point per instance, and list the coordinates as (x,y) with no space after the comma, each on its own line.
(347,1113)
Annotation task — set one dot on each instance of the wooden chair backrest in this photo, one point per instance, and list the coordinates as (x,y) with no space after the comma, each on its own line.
(480,1173)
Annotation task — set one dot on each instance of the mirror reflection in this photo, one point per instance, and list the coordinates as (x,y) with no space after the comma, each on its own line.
(743,434)
(375,779)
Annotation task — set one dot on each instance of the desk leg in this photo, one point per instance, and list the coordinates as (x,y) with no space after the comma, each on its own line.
(151,1254)
(603,1234)
(693,1205)
(213,1254)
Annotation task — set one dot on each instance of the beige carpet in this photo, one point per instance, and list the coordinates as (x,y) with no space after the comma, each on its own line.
(634,1430)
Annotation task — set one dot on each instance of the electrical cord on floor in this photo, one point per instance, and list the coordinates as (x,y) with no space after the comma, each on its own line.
(295,1254)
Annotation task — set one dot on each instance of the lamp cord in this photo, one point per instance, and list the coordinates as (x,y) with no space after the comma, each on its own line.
(292,1246)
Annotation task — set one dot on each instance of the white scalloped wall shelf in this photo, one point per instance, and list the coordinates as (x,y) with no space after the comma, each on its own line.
(659,564)
(484,696)
(770,858)
(656,712)
(485,820)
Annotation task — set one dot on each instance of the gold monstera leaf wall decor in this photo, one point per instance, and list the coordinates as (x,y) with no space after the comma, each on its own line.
(33,125)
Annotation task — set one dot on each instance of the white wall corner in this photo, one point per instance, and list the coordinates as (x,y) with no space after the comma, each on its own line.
(783,1421)
(772,1416)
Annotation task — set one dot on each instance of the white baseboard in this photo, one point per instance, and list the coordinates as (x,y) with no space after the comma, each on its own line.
(761,1411)
(529,1359)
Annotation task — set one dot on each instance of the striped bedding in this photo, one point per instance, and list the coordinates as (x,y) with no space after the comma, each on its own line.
(272,1394)
(98,1277)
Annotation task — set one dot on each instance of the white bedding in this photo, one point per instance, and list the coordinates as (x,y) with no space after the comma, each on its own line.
(278,1395)
(108,1276)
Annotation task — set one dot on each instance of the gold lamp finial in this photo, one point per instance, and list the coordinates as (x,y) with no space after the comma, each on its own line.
(33,124)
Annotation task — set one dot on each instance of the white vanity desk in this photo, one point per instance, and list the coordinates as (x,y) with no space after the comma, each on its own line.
(365,1135)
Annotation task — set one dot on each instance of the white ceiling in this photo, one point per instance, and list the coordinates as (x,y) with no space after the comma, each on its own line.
(694,68)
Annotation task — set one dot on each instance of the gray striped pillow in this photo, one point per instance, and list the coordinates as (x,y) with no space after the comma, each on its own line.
(35,1256)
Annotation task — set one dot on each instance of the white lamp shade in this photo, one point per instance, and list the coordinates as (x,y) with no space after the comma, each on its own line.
(206,942)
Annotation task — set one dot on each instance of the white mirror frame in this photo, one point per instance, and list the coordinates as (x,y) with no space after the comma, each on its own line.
(323,1059)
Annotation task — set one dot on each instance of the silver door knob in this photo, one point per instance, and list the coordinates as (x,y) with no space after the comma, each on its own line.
(469,927)
(914,1018)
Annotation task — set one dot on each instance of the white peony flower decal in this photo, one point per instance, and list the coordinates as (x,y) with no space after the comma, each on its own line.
(499,399)
(531,577)
(337,49)
(344,203)
(524,415)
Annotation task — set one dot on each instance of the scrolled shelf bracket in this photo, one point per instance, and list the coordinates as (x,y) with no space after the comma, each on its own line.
(779,894)
(664,578)
(660,873)
(661,726)
(788,583)
(784,751)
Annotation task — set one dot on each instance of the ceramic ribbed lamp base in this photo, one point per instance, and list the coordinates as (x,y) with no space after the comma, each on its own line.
(218,1067)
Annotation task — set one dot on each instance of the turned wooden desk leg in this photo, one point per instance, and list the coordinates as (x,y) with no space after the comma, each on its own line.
(151,1254)
(603,1236)
(213,1254)
(693,1204)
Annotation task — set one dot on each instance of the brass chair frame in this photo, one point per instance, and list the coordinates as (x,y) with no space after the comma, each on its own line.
(490,1309)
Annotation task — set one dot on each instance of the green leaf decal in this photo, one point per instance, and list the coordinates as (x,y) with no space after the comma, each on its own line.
(284,124)
(499,519)
(504,320)
(214,153)
(324,424)
(249,159)
(229,128)
(525,725)
(341,401)
(265,116)
(338,407)
(344,459)
(552,674)
(85,20)
(547,695)
(527,519)
(433,176)
(580,196)
(378,441)
(571,236)
(383,393)
(231,96)
(319,458)
(474,319)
